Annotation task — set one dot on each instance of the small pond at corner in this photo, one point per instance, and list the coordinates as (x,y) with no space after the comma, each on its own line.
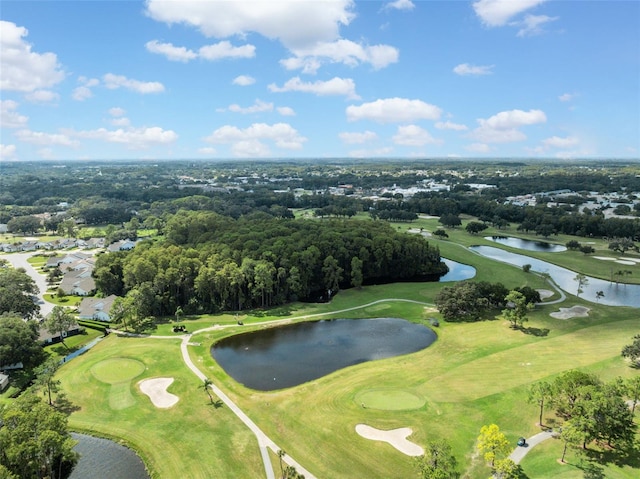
(529,245)
(105,459)
(457,271)
(290,355)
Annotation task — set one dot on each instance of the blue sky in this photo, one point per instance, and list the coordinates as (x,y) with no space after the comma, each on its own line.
(319,79)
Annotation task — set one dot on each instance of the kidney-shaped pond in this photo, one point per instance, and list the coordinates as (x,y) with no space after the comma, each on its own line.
(286,356)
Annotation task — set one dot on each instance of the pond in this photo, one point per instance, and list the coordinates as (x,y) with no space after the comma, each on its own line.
(528,245)
(103,458)
(614,294)
(287,356)
(457,271)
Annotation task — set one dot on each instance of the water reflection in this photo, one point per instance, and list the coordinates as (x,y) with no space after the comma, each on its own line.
(457,271)
(106,459)
(614,294)
(529,245)
(286,356)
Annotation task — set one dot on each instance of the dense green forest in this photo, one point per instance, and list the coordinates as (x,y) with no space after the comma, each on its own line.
(209,262)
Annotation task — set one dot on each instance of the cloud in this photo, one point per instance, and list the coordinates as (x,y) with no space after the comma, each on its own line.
(45,139)
(393,110)
(7,151)
(249,141)
(503,127)
(117,111)
(173,53)
(341,51)
(286,111)
(224,49)
(357,138)
(532,25)
(132,138)
(448,125)
(405,5)
(465,69)
(22,69)
(496,13)
(113,82)
(42,96)
(294,23)
(413,135)
(9,117)
(257,107)
(567,97)
(557,142)
(243,80)
(335,86)
(84,92)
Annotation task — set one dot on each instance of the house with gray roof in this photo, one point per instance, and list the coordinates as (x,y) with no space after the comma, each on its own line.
(96,308)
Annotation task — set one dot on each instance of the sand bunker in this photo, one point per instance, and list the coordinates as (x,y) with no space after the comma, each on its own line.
(544,293)
(625,261)
(573,312)
(156,389)
(396,437)
(604,258)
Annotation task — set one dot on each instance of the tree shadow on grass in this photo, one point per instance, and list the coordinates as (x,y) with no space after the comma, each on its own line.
(538,332)
(629,456)
(280,311)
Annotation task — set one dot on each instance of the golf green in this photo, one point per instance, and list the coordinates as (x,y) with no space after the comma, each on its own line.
(117,370)
(389,399)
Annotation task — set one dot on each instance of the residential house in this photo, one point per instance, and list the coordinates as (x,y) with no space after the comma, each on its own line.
(96,308)
(79,283)
(28,245)
(46,337)
(122,245)
(4,382)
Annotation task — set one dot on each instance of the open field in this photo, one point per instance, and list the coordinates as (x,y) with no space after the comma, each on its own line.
(475,374)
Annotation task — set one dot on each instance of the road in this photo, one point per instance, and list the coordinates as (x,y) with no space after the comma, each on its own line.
(19,260)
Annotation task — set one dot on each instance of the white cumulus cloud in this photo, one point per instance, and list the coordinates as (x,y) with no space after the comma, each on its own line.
(294,23)
(496,13)
(45,139)
(7,151)
(503,127)
(117,111)
(257,107)
(113,82)
(22,69)
(558,142)
(357,137)
(449,125)
(243,80)
(249,141)
(9,117)
(465,69)
(132,138)
(340,51)
(173,53)
(405,5)
(286,111)
(225,49)
(413,135)
(393,110)
(532,25)
(42,96)
(567,97)
(335,86)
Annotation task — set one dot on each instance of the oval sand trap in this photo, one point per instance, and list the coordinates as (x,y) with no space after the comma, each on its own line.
(573,312)
(396,437)
(156,389)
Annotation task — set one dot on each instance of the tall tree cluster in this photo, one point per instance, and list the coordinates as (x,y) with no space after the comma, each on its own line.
(210,262)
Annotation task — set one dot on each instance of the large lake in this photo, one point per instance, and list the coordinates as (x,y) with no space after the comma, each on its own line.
(614,294)
(286,356)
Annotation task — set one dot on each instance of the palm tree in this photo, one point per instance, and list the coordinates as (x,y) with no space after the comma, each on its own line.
(206,385)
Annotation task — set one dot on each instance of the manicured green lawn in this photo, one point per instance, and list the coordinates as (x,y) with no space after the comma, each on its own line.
(474,374)
(191,439)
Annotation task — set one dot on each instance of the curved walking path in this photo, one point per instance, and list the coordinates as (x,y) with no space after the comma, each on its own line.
(520,451)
